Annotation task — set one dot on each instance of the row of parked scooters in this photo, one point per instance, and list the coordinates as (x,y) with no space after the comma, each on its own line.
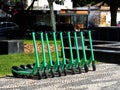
(43,68)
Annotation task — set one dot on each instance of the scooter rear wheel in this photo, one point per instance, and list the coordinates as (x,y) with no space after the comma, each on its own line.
(23,66)
(14,73)
(29,66)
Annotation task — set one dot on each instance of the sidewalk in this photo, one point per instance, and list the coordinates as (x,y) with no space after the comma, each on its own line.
(106,77)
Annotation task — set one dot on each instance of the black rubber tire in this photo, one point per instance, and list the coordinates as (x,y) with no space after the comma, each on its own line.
(79,69)
(15,67)
(23,66)
(53,62)
(33,64)
(65,71)
(73,70)
(67,61)
(39,74)
(93,66)
(45,73)
(14,73)
(86,67)
(52,73)
(59,72)
(29,66)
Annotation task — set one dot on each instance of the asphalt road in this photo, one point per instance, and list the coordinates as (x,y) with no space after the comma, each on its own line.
(106,77)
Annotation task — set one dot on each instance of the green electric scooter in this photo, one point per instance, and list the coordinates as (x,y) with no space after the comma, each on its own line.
(26,71)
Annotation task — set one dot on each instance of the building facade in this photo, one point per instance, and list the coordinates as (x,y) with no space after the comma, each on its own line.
(102,17)
(43,5)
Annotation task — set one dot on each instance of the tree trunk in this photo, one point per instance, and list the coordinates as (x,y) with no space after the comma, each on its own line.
(31,6)
(113,10)
(52,16)
(62,2)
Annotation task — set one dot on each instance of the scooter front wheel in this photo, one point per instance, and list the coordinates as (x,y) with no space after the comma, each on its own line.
(52,73)
(79,68)
(45,73)
(73,70)
(86,68)
(59,71)
(65,71)
(93,66)
(39,74)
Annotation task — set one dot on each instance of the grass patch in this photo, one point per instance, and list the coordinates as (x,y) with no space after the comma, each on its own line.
(7,61)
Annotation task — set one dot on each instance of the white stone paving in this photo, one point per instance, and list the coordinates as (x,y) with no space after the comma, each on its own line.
(106,77)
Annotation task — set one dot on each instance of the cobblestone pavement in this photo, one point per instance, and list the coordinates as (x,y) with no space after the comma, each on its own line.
(106,77)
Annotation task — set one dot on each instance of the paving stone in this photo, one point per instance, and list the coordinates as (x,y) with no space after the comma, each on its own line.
(106,77)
